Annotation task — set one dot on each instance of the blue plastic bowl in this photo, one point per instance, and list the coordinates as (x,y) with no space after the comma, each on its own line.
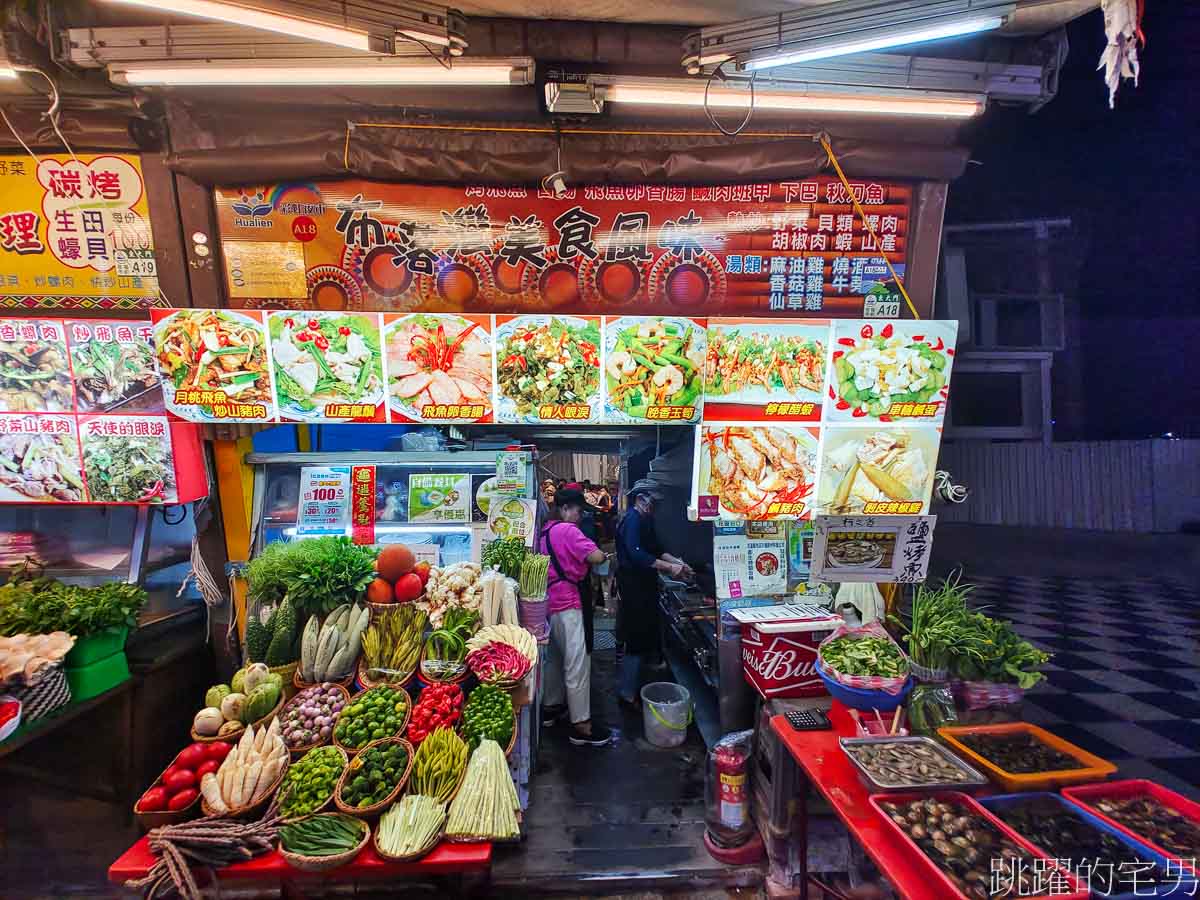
(865,698)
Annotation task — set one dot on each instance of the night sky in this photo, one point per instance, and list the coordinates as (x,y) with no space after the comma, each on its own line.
(1128,179)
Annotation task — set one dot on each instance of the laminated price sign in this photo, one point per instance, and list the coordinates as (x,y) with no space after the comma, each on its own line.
(872,548)
(324,500)
(442,499)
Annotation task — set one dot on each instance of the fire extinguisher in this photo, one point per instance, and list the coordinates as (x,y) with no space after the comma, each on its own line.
(728,790)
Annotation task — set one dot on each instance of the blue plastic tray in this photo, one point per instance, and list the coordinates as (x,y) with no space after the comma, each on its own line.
(863,698)
(1187,886)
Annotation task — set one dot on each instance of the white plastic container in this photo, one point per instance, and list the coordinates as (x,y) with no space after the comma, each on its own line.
(666,713)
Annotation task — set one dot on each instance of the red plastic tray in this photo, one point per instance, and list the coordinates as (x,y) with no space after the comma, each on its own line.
(1087,795)
(1079,893)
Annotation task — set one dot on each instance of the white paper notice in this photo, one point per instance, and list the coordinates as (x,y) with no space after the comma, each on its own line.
(872,548)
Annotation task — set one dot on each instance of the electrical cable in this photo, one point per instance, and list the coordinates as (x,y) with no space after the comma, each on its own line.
(713,119)
(947,489)
(52,113)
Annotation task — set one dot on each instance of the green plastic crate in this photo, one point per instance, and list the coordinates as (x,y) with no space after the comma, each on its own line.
(95,647)
(97,677)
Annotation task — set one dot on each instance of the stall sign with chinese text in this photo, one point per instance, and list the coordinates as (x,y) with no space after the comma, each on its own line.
(75,228)
(793,248)
(872,548)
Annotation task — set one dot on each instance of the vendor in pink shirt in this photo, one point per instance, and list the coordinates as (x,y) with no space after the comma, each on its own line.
(568,668)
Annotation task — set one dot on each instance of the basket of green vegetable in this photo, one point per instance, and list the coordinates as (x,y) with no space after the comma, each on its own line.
(311,781)
(374,778)
(489,715)
(323,842)
(410,829)
(377,713)
(864,668)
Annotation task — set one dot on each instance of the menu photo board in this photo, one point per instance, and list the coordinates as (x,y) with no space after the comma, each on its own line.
(440,367)
(793,248)
(748,470)
(766,370)
(548,369)
(75,227)
(82,420)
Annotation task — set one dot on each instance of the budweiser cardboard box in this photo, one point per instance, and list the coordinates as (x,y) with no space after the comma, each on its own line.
(779,647)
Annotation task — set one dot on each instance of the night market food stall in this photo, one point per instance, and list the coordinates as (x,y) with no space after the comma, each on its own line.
(328,267)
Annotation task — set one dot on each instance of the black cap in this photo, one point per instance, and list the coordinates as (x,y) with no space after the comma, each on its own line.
(571,497)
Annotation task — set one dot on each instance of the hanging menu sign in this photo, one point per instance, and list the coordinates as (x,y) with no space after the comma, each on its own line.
(792,248)
(74,228)
(81,417)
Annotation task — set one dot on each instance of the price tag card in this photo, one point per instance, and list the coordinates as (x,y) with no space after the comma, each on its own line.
(324,500)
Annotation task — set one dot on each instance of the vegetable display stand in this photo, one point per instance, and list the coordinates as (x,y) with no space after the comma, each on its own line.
(97,677)
(94,647)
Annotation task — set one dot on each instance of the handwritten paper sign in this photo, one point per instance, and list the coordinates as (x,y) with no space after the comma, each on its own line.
(872,548)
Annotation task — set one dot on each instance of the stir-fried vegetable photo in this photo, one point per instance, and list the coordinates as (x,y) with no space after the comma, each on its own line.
(213,350)
(652,362)
(112,374)
(548,360)
(34,376)
(129,468)
(325,358)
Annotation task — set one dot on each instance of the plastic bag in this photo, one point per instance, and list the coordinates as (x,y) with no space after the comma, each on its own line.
(727,793)
(892,685)
(930,706)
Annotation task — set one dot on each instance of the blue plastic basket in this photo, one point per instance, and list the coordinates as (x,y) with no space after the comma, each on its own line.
(1186,886)
(864,698)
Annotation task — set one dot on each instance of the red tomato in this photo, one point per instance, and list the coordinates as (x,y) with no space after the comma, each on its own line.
(179,780)
(191,756)
(421,570)
(218,750)
(154,800)
(183,799)
(408,588)
(210,765)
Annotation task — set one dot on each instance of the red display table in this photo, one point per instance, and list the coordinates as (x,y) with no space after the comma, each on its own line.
(823,763)
(446,859)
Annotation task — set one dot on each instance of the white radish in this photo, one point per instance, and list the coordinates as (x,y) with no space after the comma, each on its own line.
(212,793)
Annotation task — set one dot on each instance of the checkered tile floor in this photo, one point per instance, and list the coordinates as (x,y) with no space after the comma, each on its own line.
(1124,682)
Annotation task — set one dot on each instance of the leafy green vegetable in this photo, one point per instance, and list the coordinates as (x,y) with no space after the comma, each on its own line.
(316,574)
(858,655)
(941,626)
(40,605)
(127,468)
(265,574)
(1006,658)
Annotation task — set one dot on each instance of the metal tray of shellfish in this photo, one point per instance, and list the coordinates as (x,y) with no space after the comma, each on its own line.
(914,764)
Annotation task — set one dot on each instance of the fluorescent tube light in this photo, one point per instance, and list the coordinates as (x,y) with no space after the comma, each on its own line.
(8,72)
(865,45)
(250,17)
(957,107)
(296,72)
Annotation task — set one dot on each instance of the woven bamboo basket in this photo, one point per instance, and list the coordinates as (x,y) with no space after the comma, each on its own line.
(253,809)
(326,863)
(512,740)
(374,809)
(155,819)
(298,752)
(410,857)
(328,800)
(431,679)
(286,674)
(351,751)
(234,736)
(365,681)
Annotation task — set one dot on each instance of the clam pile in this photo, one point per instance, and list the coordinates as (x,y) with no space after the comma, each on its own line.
(979,860)
(905,763)
(1156,823)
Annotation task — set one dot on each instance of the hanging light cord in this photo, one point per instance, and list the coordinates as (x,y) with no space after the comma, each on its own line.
(50,114)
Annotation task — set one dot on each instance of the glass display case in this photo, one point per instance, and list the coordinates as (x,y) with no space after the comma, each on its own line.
(277,500)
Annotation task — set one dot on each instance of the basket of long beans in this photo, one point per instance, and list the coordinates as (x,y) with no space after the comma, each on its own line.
(322,842)
(531,611)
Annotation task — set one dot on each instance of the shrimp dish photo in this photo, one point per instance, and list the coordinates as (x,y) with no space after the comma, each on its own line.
(759,472)
(756,364)
(213,350)
(653,362)
(438,360)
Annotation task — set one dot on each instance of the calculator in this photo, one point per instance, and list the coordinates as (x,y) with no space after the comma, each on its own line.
(808,720)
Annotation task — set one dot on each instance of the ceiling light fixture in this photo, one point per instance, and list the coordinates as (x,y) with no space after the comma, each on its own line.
(300,72)
(678,92)
(373,27)
(839,29)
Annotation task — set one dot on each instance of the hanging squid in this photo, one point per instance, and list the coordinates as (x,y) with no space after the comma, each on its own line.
(1123,28)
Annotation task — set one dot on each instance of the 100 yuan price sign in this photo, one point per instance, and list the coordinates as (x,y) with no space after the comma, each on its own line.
(324,500)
